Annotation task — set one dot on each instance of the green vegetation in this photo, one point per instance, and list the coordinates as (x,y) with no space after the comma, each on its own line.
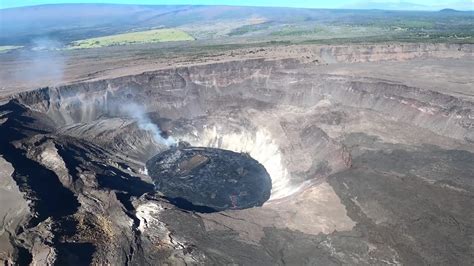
(407,28)
(414,24)
(390,38)
(243,25)
(249,28)
(328,31)
(150,36)
(400,23)
(7,48)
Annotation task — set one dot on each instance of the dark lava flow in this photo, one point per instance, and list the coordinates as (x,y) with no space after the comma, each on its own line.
(209,179)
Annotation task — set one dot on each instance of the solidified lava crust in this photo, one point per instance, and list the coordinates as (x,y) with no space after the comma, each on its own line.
(208,177)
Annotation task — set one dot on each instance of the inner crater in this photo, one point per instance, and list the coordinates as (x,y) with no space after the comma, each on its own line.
(209,179)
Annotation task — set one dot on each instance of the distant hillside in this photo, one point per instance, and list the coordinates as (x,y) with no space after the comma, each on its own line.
(409,6)
(449,10)
(71,22)
(389,6)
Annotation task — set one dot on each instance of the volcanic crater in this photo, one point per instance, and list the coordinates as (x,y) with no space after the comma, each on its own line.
(340,158)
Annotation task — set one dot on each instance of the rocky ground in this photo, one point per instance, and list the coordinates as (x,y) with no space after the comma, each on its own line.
(369,148)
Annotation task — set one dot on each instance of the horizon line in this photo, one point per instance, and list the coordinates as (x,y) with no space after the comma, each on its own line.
(257,6)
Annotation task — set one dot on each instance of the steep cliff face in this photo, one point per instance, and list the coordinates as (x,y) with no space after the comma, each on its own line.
(99,65)
(191,92)
(85,145)
(204,105)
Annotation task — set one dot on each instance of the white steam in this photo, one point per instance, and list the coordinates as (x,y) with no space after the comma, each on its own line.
(144,122)
(44,62)
(260,145)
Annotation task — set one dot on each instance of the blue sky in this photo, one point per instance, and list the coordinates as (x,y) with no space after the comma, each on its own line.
(390,4)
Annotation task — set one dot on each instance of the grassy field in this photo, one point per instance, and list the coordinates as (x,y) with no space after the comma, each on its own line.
(6,48)
(150,36)
(328,32)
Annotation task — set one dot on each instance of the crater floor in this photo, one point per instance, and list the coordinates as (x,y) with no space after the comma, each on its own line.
(209,179)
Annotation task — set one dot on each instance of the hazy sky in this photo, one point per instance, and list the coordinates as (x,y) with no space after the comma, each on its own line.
(430,4)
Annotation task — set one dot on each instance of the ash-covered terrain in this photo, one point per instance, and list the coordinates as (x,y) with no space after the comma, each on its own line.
(370,163)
